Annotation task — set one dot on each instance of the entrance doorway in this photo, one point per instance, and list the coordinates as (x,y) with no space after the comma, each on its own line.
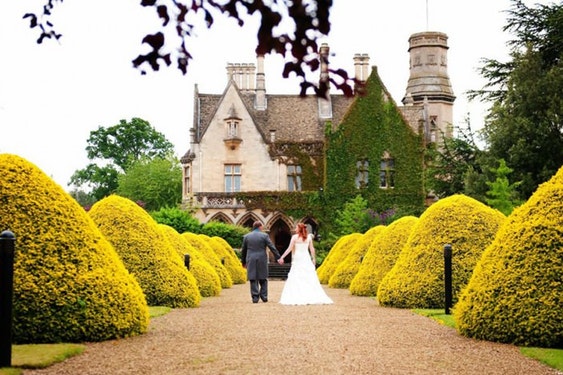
(280,234)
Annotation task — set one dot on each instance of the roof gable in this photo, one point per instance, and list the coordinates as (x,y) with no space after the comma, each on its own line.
(291,117)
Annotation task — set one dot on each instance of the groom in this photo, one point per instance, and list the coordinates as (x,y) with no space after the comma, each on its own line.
(255,259)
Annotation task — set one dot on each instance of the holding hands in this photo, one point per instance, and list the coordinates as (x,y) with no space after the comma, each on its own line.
(280,261)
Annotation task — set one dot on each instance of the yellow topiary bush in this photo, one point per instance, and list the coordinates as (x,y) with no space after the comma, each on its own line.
(231,260)
(381,256)
(209,254)
(69,283)
(337,254)
(146,253)
(207,280)
(417,278)
(348,268)
(515,294)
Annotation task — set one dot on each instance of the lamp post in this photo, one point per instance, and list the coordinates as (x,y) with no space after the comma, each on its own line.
(448,277)
(7,241)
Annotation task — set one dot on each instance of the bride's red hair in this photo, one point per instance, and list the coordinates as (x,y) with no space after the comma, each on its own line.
(302,231)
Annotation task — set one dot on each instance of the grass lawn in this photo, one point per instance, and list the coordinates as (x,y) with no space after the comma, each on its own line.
(551,357)
(44,355)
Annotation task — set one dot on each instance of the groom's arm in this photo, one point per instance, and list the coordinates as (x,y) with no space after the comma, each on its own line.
(272,247)
(244,249)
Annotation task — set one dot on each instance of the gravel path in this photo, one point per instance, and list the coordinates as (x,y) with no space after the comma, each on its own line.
(230,335)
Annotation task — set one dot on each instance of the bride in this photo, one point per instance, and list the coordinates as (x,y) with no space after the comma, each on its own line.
(302,286)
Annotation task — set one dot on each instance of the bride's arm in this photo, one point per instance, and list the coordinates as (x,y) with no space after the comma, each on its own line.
(289,248)
(312,250)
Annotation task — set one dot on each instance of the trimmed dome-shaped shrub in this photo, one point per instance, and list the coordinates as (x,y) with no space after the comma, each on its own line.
(146,253)
(337,254)
(381,256)
(232,262)
(417,278)
(209,254)
(515,294)
(206,278)
(69,283)
(348,268)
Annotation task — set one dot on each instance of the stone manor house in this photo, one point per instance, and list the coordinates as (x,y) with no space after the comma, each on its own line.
(241,138)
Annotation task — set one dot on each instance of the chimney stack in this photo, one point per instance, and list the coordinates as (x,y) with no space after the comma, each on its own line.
(260,100)
(361,66)
(324,103)
(242,75)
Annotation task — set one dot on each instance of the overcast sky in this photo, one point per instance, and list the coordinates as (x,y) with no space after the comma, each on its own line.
(54,94)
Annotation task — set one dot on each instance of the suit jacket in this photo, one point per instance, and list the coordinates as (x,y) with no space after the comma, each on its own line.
(254,254)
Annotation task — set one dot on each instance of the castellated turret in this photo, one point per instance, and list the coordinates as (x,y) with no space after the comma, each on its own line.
(429,84)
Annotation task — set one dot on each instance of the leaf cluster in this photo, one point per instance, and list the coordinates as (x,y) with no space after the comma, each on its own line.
(308,19)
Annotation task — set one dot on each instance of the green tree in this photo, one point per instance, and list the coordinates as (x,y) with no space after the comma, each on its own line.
(83,198)
(501,192)
(114,149)
(524,125)
(447,166)
(355,217)
(231,233)
(179,219)
(156,182)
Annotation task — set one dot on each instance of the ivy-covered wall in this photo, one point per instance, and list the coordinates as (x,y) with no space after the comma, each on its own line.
(373,126)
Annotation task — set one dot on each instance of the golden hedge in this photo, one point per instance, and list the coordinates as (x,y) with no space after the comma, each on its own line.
(381,256)
(227,255)
(417,278)
(515,294)
(209,254)
(146,252)
(348,268)
(337,254)
(207,280)
(69,283)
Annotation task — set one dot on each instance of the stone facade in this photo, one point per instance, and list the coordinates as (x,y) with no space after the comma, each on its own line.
(240,138)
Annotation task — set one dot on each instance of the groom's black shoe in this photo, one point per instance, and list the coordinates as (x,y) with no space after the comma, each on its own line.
(254,300)
(264,300)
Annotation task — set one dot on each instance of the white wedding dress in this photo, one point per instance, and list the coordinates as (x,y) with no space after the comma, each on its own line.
(302,286)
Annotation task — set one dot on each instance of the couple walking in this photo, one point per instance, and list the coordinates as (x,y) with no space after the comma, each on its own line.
(302,286)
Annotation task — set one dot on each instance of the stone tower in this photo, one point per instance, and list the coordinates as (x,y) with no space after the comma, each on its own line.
(429,84)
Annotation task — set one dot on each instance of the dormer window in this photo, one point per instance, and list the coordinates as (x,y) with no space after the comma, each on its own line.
(232,129)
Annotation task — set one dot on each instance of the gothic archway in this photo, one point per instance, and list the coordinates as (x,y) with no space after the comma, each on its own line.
(312,227)
(221,217)
(247,220)
(280,234)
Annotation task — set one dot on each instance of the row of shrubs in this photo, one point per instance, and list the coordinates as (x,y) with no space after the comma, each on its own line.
(507,271)
(90,276)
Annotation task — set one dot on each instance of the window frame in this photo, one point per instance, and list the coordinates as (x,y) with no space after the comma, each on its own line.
(294,177)
(232,175)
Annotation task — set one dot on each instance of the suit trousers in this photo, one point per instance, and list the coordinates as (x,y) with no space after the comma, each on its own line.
(259,289)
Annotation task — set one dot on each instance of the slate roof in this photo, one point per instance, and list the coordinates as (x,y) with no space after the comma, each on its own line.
(294,118)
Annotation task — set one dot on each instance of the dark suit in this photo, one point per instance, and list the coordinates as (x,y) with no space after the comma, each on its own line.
(255,259)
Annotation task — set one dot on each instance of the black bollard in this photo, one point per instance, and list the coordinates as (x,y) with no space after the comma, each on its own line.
(7,240)
(448,277)
(187,261)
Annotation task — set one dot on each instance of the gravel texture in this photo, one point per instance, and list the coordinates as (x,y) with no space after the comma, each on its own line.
(228,334)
